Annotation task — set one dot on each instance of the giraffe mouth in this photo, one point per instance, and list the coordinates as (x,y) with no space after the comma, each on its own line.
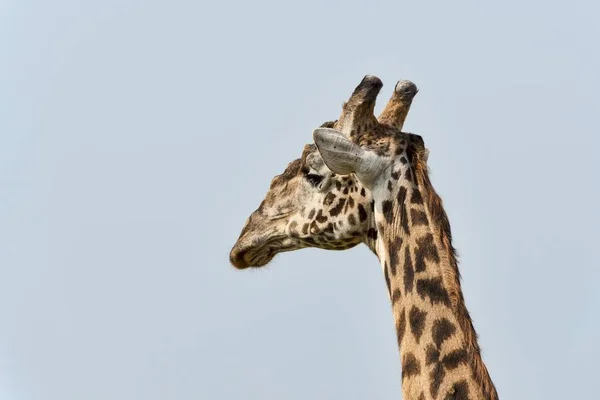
(256,256)
(260,255)
(261,258)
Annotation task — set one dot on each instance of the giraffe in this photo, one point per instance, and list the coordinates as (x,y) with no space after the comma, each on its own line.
(405,225)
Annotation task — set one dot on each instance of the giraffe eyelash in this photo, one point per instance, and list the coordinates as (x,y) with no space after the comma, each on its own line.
(314,179)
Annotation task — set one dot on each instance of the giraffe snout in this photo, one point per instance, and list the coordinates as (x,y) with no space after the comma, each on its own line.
(236,257)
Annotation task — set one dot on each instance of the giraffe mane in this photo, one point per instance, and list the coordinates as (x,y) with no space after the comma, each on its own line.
(450,271)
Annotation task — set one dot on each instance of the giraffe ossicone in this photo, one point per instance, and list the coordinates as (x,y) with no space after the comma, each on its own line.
(366,181)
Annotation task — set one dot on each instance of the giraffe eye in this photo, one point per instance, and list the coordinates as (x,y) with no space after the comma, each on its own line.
(314,179)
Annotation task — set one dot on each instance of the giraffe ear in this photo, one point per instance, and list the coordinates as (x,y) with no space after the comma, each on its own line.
(343,156)
(339,154)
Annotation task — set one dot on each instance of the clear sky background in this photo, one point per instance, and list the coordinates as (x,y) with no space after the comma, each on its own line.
(137,136)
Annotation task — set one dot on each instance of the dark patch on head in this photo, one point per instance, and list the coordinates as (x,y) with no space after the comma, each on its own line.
(409,272)
(403,213)
(346,190)
(401,328)
(328,229)
(338,208)
(403,160)
(395,175)
(418,217)
(416,318)
(311,214)
(383,149)
(362,213)
(386,208)
(309,241)
(362,192)
(351,219)
(459,391)
(456,357)
(401,195)
(305,229)
(372,233)
(389,186)
(329,199)
(434,290)
(338,185)
(320,218)
(350,202)
(416,197)
(425,250)
(346,207)
(442,330)
(410,366)
(314,227)
(408,175)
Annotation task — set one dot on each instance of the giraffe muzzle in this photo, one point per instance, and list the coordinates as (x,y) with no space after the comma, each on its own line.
(243,256)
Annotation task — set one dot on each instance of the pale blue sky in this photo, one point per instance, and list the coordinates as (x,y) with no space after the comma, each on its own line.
(137,136)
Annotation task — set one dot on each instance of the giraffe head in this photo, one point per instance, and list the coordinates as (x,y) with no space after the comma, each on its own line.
(310,205)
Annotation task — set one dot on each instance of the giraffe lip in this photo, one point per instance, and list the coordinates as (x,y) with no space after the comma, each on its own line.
(255,256)
(261,259)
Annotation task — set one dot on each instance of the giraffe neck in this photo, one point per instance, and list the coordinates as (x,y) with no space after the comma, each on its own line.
(438,345)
